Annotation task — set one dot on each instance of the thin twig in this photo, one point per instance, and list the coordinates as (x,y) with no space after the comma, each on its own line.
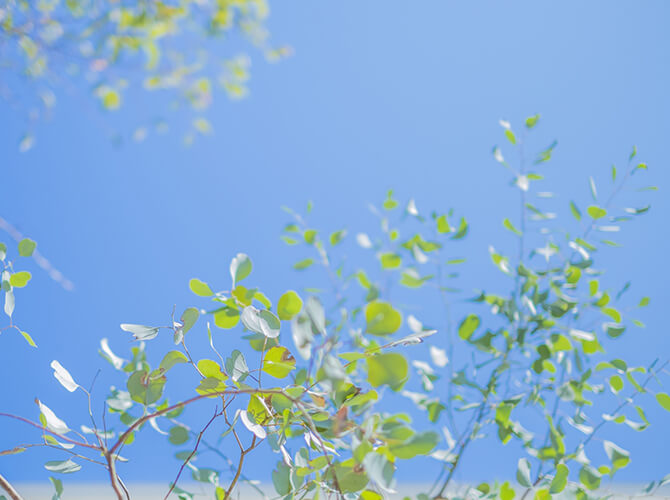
(195,449)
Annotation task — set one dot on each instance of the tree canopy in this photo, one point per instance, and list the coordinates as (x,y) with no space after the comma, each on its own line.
(189,48)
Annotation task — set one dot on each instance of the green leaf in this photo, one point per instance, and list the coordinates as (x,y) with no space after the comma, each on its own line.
(58,486)
(188,319)
(589,477)
(381,318)
(289,305)
(390,260)
(663,400)
(531,121)
(462,230)
(523,473)
(26,247)
(614,330)
(560,480)
(278,362)
(349,479)
(141,332)
(612,313)
(20,279)
(200,288)
(110,98)
(337,237)
(506,491)
(575,211)
(211,369)
(619,457)
(205,475)
(281,479)
(389,202)
(509,226)
(387,369)
(310,236)
(261,321)
(227,318)
(236,366)
(145,388)
(616,383)
(370,495)
(411,279)
(443,225)
(421,443)
(542,494)
(172,358)
(596,212)
(178,435)
(240,268)
(468,326)
(303,264)
(28,338)
(62,466)
(510,136)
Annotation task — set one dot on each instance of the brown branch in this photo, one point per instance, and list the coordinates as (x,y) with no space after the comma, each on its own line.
(195,449)
(145,418)
(13,494)
(44,429)
(113,478)
(239,468)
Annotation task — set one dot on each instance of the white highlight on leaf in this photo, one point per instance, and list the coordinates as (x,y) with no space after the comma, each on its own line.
(523,183)
(582,335)
(497,154)
(318,443)
(140,332)
(420,257)
(444,456)
(363,240)
(439,356)
(105,435)
(67,446)
(110,356)
(415,397)
(582,251)
(253,427)
(414,324)
(505,124)
(54,423)
(411,208)
(63,376)
(240,267)
(253,319)
(154,424)
(9,303)
(301,330)
(586,429)
(451,442)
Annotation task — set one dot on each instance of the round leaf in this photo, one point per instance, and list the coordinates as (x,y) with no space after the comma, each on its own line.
(387,369)
(381,318)
(289,305)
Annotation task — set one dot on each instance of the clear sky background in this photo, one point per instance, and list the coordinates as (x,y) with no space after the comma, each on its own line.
(379,95)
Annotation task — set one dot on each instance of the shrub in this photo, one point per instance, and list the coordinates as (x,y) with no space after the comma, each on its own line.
(527,364)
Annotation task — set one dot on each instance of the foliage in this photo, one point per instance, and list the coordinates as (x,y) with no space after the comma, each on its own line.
(319,399)
(110,47)
(12,280)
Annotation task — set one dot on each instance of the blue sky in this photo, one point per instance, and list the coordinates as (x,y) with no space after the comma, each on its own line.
(378,95)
